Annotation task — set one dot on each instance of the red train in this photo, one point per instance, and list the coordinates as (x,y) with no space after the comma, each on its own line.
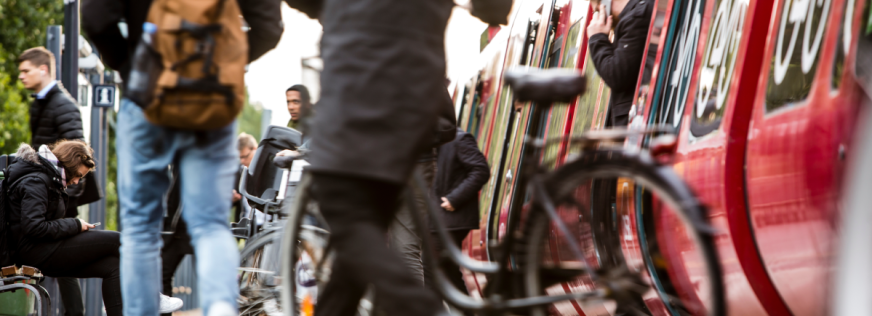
(764,98)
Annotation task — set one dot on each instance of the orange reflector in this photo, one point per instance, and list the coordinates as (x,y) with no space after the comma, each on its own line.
(306,308)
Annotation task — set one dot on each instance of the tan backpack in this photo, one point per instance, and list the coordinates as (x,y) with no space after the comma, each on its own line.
(204,52)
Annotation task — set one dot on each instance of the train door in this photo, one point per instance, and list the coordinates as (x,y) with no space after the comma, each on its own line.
(511,47)
(800,131)
(530,37)
(717,111)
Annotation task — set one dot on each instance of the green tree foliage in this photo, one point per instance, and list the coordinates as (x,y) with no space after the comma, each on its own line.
(14,119)
(249,119)
(111,189)
(22,25)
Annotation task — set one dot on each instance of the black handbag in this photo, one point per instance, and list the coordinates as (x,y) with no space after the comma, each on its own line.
(86,191)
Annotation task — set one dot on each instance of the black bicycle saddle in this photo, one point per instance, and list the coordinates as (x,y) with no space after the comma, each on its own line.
(545,85)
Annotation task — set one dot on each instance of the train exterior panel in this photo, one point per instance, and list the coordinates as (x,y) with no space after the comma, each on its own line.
(762,97)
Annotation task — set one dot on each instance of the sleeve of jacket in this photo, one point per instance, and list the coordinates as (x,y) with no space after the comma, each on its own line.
(33,208)
(69,120)
(477,175)
(100,21)
(619,65)
(264,17)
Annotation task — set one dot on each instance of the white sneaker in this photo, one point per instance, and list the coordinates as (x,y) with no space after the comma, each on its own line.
(222,308)
(169,304)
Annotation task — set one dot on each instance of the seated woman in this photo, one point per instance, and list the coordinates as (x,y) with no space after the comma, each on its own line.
(41,237)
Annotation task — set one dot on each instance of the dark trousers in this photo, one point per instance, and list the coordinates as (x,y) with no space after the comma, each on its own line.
(359,211)
(71,296)
(403,232)
(174,251)
(451,270)
(91,254)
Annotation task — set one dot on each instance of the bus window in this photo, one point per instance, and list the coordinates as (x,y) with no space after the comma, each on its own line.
(718,65)
(797,48)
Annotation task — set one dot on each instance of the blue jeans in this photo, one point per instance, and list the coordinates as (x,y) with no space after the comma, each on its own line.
(207,162)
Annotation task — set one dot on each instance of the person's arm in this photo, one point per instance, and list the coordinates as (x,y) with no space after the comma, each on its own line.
(264,17)
(100,21)
(479,172)
(69,121)
(619,65)
(34,204)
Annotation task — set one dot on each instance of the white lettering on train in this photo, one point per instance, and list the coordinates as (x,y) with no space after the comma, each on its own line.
(801,14)
(721,52)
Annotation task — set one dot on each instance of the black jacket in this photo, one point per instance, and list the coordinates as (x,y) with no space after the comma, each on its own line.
(619,63)
(54,117)
(36,222)
(461,171)
(100,20)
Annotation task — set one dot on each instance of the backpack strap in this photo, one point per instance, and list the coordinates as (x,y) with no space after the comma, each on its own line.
(45,178)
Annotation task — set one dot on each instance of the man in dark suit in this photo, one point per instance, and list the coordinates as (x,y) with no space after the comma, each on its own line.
(461,172)
(618,62)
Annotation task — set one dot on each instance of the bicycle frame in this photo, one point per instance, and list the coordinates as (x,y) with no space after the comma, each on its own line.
(531,177)
(503,250)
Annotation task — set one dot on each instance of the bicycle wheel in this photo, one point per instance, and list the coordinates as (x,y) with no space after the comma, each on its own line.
(640,227)
(306,257)
(259,278)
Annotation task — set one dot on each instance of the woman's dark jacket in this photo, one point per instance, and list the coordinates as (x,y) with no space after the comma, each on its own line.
(461,171)
(55,117)
(36,222)
(619,62)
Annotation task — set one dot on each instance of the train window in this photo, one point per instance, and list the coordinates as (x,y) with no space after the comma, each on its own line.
(843,45)
(863,62)
(657,29)
(571,48)
(677,66)
(718,65)
(797,48)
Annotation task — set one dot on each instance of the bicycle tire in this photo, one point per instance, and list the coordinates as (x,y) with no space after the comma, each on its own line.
(303,208)
(258,283)
(641,169)
(296,211)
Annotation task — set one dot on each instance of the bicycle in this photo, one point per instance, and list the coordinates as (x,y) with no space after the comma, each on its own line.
(264,187)
(526,262)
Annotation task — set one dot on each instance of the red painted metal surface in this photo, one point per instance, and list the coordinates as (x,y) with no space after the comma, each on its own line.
(795,153)
(769,177)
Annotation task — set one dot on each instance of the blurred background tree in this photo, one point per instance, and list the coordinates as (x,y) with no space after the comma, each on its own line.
(22,25)
(249,119)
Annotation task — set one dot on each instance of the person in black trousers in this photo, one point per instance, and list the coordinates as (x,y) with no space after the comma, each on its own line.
(40,234)
(462,170)
(618,62)
(176,241)
(384,65)
(54,115)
